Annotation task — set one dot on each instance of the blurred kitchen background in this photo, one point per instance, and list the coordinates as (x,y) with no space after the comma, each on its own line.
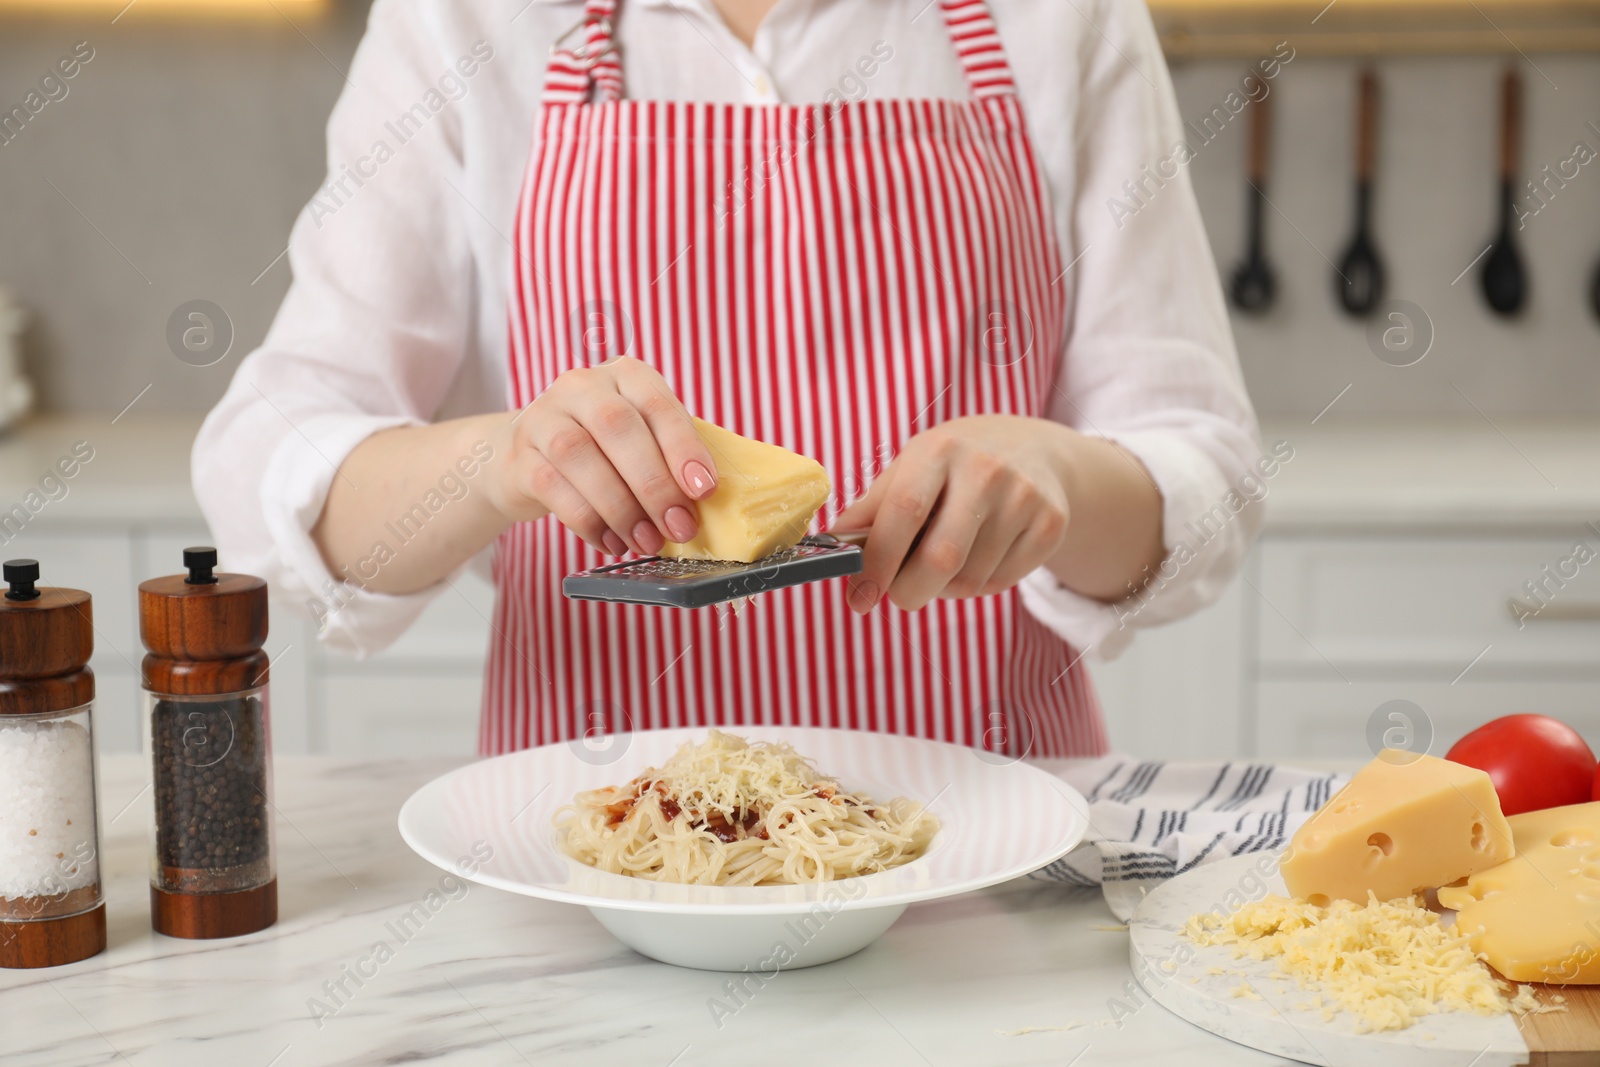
(1439,477)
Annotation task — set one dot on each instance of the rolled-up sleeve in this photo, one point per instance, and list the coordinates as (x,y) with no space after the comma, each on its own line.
(371,335)
(1150,361)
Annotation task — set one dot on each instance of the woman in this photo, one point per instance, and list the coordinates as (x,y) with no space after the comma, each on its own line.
(879,234)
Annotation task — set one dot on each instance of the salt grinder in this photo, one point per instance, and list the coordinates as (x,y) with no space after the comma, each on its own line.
(52,910)
(212,873)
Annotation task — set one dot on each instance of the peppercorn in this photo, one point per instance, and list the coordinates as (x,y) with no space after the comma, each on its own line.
(210,781)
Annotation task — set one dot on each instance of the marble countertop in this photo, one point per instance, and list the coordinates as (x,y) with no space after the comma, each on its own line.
(1383,476)
(497,979)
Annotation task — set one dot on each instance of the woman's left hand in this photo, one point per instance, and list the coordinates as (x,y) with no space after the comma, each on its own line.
(988,495)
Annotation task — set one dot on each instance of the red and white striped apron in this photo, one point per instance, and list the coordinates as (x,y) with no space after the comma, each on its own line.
(826,278)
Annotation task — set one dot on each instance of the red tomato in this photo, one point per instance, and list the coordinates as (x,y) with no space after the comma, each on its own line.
(1535,762)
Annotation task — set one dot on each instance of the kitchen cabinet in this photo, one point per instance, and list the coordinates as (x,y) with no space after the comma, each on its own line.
(420,695)
(1323,630)
(1428,605)
(1391,553)
(1181,689)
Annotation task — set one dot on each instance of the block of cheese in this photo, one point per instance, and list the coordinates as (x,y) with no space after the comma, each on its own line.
(764,500)
(1536,918)
(1404,824)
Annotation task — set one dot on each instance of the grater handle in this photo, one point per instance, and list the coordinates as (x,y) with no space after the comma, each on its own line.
(849,537)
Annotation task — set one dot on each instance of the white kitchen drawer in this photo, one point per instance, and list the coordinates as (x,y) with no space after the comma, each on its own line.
(1433,603)
(101,564)
(1177,692)
(1329,720)
(454,631)
(401,714)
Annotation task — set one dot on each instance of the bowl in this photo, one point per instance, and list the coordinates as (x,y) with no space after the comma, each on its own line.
(490,822)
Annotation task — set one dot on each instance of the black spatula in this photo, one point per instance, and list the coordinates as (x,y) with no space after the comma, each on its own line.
(1505,279)
(1361,276)
(1255,285)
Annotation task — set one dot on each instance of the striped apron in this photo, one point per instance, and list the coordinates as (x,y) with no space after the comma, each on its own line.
(830,278)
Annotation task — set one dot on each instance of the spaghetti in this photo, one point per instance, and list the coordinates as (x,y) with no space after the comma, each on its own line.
(728,812)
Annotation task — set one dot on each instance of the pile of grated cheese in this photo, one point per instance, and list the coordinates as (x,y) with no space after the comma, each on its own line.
(728,774)
(1388,964)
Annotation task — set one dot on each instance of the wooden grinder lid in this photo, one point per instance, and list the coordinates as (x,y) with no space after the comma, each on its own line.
(203,630)
(46,639)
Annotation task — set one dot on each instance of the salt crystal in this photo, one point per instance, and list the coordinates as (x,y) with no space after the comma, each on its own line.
(46,787)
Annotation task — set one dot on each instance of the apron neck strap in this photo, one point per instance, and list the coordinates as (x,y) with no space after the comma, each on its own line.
(586,62)
(977,42)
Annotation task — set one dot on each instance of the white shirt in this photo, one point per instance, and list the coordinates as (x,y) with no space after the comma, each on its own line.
(397,313)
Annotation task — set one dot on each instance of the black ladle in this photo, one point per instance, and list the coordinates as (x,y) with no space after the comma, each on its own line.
(1505,279)
(1361,277)
(1255,286)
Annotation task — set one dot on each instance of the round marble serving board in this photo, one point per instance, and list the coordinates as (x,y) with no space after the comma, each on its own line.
(1172,970)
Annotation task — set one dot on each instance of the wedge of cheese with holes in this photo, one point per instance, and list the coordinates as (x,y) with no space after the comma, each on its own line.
(1404,824)
(764,500)
(1536,918)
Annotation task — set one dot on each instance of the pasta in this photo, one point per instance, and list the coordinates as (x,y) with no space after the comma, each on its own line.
(728,812)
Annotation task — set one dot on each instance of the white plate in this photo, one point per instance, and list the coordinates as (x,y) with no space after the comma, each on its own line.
(999,819)
(1175,972)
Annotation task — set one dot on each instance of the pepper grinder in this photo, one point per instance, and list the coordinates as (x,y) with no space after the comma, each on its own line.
(212,870)
(52,909)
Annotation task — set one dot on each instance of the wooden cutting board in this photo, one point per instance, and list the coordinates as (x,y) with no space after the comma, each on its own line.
(1568,1038)
(1244,1004)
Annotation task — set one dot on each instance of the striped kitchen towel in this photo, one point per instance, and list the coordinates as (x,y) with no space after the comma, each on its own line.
(1150,820)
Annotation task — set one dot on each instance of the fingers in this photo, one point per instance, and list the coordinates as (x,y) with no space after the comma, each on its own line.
(861,512)
(1037,543)
(685,453)
(968,534)
(950,522)
(571,509)
(915,482)
(565,444)
(623,436)
(615,437)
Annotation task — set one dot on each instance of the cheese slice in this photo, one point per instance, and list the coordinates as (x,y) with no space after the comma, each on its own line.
(1403,825)
(1537,917)
(764,500)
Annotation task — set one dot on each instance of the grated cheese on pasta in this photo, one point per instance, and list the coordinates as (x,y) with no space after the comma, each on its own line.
(729,812)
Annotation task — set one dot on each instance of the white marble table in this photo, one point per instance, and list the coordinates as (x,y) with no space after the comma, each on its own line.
(495,979)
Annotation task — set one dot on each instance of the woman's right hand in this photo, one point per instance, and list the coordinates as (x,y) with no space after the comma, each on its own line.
(612,453)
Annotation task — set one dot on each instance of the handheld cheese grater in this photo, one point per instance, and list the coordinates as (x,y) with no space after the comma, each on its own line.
(699,583)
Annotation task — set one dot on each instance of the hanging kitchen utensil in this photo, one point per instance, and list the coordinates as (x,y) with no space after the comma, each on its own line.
(1594,293)
(1361,276)
(1505,279)
(1255,286)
